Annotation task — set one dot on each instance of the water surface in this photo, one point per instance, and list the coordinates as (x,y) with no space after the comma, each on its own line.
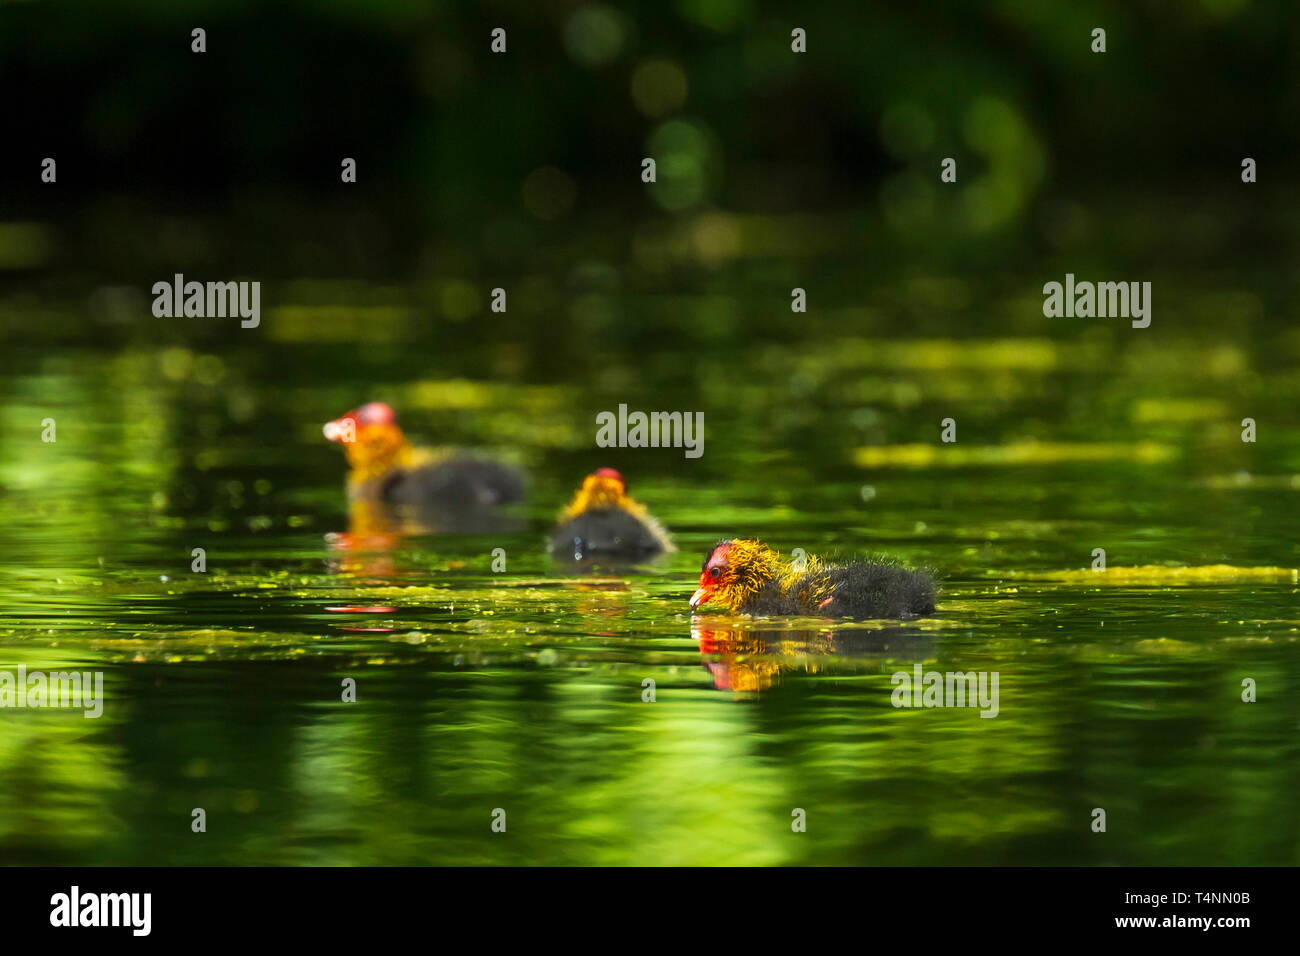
(523,690)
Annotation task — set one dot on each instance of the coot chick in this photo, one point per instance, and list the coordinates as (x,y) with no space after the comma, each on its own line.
(385,467)
(746,577)
(603,522)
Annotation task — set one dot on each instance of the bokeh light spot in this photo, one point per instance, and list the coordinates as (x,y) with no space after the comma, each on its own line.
(659,87)
(594,35)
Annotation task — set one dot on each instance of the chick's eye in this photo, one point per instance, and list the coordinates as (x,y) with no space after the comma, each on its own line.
(715,573)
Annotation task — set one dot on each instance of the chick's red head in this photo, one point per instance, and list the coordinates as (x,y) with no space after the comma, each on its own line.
(735,571)
(716,573)
(346,428)
(604,488)
(369,435)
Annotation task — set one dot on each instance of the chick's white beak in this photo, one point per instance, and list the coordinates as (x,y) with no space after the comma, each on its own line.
(698,598)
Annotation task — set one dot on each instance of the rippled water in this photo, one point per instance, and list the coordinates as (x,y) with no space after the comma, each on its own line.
(523,690)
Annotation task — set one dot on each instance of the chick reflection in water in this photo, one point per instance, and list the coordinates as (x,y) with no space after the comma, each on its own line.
(380,524)
(755,660)
(366,547)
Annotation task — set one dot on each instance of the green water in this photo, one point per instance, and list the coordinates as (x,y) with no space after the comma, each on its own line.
(523,690)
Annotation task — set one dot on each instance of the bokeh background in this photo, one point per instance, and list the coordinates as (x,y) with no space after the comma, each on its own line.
(775,170)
